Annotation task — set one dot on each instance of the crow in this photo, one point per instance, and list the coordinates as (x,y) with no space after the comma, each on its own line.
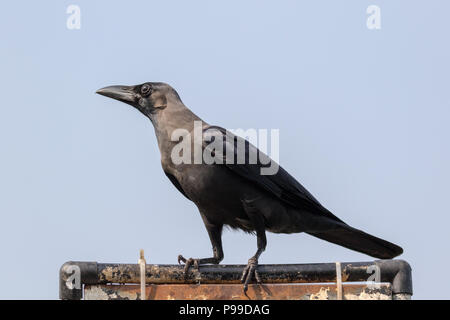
(234,184)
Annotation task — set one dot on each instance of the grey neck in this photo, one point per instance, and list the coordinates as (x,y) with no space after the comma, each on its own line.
(175,116)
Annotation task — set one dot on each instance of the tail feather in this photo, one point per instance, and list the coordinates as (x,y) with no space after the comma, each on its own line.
(360,241)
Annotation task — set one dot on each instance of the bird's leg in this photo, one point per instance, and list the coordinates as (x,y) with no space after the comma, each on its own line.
(215,235)
(257,221)
(251,268)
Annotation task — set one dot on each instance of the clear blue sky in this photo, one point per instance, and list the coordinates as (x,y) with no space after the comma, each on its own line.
(363,118)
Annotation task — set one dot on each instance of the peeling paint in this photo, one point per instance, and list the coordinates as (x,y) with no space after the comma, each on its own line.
(235,292)
(383,293)
(321,295)
(401,296)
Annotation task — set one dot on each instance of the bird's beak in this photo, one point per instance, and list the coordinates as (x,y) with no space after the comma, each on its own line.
(122,93)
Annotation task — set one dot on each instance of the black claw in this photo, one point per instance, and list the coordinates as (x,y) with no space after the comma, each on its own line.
(181,258)
(187,264)
(248,273)
(257,277)
(244,273)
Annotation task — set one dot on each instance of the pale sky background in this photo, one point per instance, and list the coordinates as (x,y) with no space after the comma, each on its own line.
(363,118)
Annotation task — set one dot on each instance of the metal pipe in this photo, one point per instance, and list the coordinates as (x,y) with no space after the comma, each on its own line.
(397,272)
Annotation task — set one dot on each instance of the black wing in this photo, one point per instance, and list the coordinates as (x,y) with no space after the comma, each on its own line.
(281,184)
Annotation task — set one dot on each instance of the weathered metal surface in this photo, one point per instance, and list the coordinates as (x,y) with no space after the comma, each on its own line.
(235,292)
(290,273)
(401,296)
(395,272)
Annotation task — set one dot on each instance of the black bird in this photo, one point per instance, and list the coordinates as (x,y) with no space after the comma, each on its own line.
(233,193)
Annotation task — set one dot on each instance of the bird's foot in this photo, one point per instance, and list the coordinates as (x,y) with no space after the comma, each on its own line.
(248,273)
(188,263)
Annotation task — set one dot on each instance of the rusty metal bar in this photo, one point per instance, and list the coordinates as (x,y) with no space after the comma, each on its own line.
(269,291)
(396,272)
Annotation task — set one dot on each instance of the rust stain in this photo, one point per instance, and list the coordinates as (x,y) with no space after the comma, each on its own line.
(235,292)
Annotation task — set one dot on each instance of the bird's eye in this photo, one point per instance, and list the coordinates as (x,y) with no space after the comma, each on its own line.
(146,89)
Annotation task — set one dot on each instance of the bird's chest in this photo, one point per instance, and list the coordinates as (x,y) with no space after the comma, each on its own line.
(199,180)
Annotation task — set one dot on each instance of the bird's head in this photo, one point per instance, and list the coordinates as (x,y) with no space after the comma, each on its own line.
(149,97)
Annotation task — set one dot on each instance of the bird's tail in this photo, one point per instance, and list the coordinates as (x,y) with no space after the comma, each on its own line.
(360,241)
